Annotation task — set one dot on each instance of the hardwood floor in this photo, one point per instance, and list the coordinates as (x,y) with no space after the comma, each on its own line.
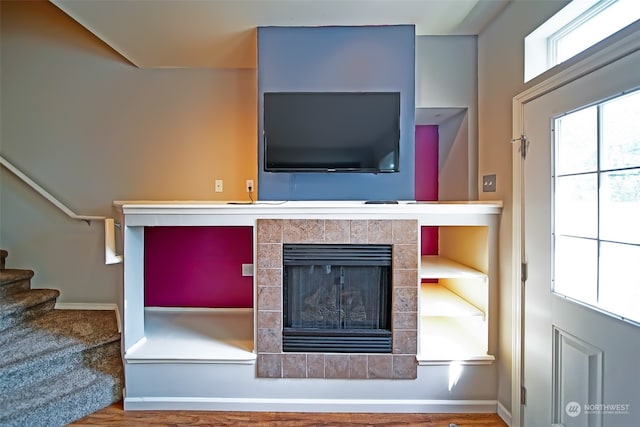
(114,415)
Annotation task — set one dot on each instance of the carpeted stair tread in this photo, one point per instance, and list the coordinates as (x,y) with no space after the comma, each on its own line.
(42,345)
(26,299)
(26,305)
(68,396)
(56,366)
(14,274)
(14,280)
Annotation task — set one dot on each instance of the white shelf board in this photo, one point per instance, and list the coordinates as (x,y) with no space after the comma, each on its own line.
(443,339)
(436,300)
(196,335)
(439,267)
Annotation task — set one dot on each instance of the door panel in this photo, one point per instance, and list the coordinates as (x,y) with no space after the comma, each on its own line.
(577,360)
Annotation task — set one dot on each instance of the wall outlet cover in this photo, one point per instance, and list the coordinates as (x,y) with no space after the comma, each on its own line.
(247,270)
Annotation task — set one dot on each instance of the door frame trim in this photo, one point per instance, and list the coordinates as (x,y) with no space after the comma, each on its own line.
(610,50)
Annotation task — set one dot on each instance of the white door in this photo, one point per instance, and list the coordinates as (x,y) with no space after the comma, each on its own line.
(581,366)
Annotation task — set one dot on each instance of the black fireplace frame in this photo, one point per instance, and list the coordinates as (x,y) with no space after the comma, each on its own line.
(345,340)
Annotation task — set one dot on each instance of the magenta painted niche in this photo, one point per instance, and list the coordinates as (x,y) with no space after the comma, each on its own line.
(427,140)
(198,267)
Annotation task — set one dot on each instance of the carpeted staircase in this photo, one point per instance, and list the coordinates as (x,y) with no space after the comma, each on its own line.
(56,366)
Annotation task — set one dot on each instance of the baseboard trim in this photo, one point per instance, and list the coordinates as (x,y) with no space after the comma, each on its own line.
(90,306)
(84,306)
(504,414)
(309,405)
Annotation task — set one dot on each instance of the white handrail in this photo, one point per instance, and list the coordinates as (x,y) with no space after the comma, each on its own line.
(109,224)
(110,255)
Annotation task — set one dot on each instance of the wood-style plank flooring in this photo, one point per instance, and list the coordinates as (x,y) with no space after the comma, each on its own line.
(114,415)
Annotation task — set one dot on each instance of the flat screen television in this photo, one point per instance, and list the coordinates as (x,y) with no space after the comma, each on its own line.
(331,132)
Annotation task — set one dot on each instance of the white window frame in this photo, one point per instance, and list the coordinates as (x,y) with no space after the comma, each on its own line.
(599,170)
(540,53)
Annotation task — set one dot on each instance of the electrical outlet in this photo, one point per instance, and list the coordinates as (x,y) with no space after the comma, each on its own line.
(250,186)
(247,269)
(489,183)
(218,186)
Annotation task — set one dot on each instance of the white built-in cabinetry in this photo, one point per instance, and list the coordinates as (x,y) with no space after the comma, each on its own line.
(185,359)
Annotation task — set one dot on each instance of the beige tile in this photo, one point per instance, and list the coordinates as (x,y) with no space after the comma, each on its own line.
(336,366)
(358,232)
(405,320)
(405,256)
(405,342)
(294,365)
(380,231)
(379,366)
(269,277)
(269,255)
(405,367)
(336,231)
(405,278)
(269,231)
(405,300)
(303,231)
(269,319)
(315,365)
(269,298)
(269,341)
(269,365)
(358,366)
(405,231)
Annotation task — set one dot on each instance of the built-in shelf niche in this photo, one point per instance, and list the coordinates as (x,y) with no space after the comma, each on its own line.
(454,298)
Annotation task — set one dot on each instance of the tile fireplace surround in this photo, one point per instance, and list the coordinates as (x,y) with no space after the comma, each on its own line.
(272,362)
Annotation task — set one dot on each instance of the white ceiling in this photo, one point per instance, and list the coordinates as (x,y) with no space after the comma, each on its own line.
(222,33)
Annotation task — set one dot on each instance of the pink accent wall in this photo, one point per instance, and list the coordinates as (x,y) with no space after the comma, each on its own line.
(198,267)
(427,140)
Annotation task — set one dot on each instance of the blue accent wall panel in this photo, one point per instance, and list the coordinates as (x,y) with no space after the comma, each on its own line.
(339,59)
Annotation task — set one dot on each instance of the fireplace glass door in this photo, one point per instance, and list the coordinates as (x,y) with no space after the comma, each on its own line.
(337,298)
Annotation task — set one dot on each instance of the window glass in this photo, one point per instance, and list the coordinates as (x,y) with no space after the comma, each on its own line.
(578,136)
(576,266)
(576,206)
(621,132)
(593,27)
(620,207)
(573,29)
(596,217)
(620,279)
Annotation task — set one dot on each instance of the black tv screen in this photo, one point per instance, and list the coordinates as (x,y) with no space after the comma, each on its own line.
(331,131)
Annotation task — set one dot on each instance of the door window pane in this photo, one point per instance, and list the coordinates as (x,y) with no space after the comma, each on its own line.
(620,279)
(621,132)
(577,142)
(620,206)
(575,269)
(576,206)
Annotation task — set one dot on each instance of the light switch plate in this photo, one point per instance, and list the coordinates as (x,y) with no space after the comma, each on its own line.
(489,183)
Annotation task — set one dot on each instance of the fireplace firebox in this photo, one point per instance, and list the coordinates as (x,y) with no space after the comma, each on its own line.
(337,298)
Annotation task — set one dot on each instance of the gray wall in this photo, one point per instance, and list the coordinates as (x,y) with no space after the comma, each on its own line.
(446,77)
(91,128)
(500,78)
(360,59)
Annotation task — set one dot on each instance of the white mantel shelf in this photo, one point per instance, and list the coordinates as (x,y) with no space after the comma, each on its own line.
(198,213)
